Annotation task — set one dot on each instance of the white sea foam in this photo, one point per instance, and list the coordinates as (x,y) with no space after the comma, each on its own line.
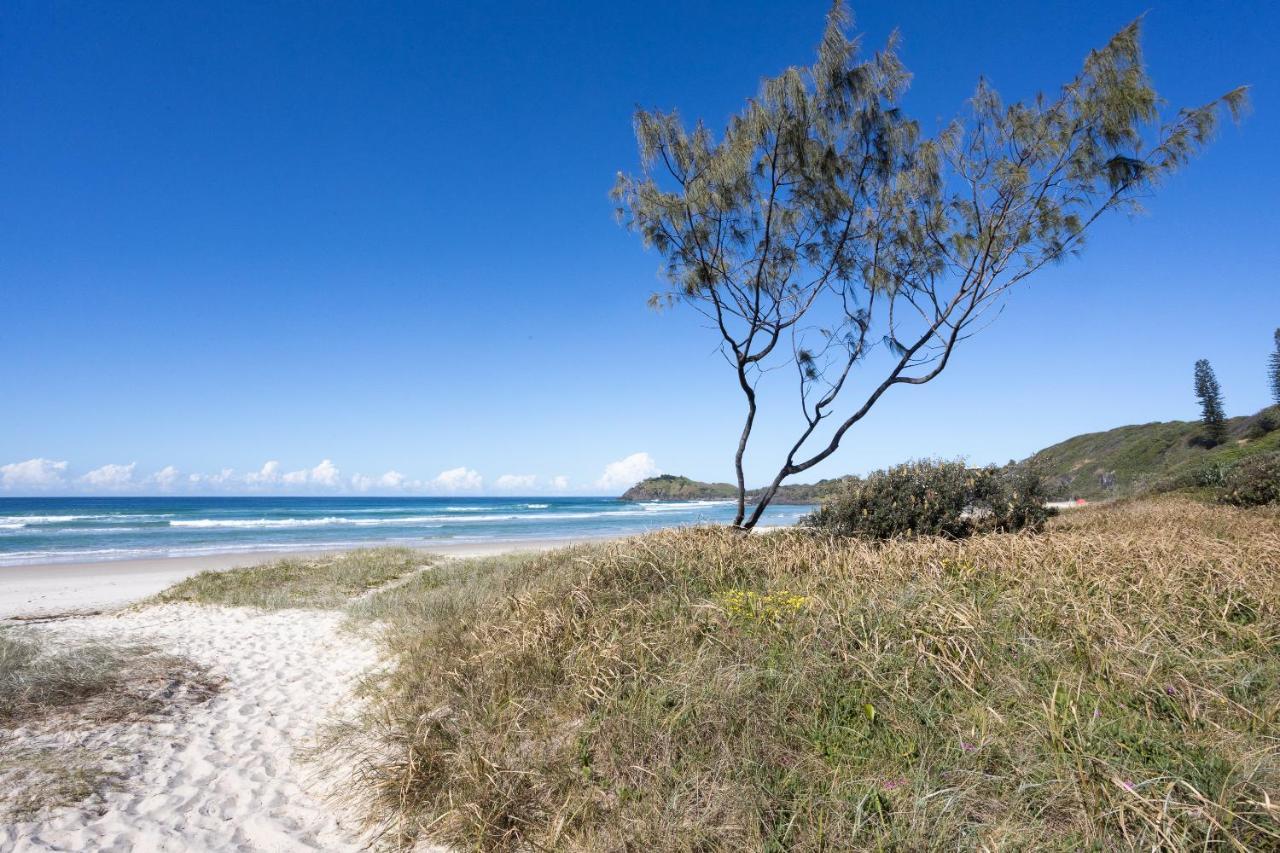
(261,523)
(13,521)
(414,520)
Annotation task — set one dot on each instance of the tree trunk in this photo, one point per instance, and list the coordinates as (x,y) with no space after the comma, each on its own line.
(737,466)
(766,497)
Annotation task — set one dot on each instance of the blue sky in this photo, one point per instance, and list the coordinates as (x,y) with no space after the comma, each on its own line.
(352,239)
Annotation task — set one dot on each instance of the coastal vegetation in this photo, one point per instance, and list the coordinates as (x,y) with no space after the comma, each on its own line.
(321,582)
(1140,459)
(935,498)
(1273,370)
(669,487)
(1209,394)
(824,230)
(1154,457)
(1108,683)
(50,688)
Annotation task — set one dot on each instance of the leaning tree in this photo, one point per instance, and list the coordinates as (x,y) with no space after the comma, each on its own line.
(822,231)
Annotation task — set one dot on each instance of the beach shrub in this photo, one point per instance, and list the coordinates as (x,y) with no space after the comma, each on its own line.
(935,498)
(1111,684)
(1255,481)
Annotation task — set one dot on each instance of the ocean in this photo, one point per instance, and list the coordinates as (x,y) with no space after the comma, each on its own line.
(49,530)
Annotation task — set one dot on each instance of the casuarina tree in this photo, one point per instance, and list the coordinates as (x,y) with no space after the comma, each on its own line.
(1210,396)
(825,233)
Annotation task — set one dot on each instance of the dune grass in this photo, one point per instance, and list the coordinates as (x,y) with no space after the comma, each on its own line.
(325,582)
(1113,683)
(49,687)
(41,679)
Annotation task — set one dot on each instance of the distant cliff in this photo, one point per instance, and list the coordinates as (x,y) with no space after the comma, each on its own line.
(670,487)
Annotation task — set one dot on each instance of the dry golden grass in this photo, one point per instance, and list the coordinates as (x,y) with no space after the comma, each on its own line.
(1113,683)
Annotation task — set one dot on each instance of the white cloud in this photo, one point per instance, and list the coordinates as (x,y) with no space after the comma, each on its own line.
(625,473)
(460,479)
(269,473)
(32,474)
(111,477)
(166,477)
(560,483)
(514,482)
(226,475)
(389,480)
(324,474)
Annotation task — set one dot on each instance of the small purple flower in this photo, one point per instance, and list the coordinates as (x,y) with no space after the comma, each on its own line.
(1096,713)
(1169,690)
(1127,785)
(966,746)
(890,784)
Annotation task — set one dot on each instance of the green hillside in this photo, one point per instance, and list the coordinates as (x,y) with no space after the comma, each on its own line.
(669,487)
(1158,456)
(1155,456)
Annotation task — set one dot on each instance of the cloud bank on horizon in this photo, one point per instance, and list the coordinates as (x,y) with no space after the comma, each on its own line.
(48,476)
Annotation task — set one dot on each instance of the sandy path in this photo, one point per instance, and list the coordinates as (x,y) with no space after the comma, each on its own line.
(222,775)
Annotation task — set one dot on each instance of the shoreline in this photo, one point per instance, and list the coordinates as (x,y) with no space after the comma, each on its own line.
(45,590)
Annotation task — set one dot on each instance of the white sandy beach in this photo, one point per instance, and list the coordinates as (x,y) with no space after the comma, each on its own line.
(221,775)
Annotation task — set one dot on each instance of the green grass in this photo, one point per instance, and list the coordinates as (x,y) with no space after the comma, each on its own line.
(1147,457)
(1110,684)
(327,582)
(442,591)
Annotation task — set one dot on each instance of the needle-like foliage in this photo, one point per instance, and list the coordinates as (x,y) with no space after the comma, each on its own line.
(1273,371)
(1210,396)
(822,229)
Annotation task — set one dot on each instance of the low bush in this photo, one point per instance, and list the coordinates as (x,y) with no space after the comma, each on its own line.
(1254,481)
(1266,423)
(936,498)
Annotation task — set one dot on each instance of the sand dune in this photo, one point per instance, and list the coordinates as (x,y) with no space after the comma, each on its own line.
(225,774)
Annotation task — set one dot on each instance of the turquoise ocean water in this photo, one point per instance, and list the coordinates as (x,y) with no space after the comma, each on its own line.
(45,530)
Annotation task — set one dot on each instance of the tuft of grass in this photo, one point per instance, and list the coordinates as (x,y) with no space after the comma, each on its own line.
(327,582)
(33,780)
(93,681)
(1112,683)
(49,688)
